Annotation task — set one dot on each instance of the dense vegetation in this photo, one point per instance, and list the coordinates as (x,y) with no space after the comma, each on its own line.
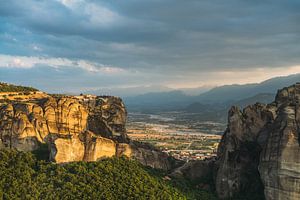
(23,176)
(4,87)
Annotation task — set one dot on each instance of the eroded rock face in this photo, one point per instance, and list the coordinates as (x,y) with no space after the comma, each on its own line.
(88,146)
(76,128)
(280,159)
(65,116)
(85,146)
(264,137)
(24,125)
(238,152)
(68,149)
(107,117)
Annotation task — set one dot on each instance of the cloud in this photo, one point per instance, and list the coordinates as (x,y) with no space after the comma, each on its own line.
(168,41)
(94,14)
(8,61)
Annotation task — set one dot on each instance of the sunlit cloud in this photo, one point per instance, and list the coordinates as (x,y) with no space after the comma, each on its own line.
(254,75)
(227,77)
(8,61)
(97,15)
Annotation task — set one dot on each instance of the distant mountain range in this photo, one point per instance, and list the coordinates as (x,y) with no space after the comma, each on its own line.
(128,91)
(238,92)
(144,90)
(200,107)
(225,96)
(218,111)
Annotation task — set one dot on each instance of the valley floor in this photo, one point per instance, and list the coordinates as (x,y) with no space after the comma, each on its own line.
(179,134)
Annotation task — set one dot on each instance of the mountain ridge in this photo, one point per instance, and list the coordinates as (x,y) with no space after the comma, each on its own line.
(226,94)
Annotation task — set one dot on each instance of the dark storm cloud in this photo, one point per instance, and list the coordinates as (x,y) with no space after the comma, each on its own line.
(172,37)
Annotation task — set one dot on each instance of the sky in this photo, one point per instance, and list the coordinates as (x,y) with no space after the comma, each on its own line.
(79,45)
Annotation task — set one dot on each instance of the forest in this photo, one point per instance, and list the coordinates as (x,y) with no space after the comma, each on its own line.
(23,176)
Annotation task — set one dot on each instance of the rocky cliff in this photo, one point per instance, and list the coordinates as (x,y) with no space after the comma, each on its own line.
(260,149)
(280,159)
(76,128)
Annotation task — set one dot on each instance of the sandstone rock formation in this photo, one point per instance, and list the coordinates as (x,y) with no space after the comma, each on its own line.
(238,152)
(76,128)
(107,117)
(85,146)
(264,137)
(24,125)
(280,159)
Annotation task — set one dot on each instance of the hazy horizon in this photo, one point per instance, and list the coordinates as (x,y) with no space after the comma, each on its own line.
(148,89)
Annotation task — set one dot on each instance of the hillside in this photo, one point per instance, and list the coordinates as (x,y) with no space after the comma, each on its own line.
(25,177)
(10,92)
(5,87)
(261,98)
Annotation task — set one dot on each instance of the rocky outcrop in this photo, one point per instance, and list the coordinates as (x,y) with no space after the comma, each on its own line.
(107,117)
(149,156)
(197,170)
(238,152)
(280,159)
(88,146)
(264,137)
(76,128)
(24,125)
(85,146)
